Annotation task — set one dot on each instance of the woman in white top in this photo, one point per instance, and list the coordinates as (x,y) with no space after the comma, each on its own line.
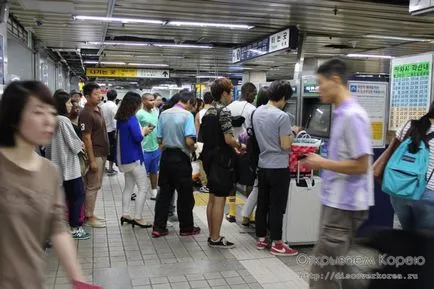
(414,215)
(63,152)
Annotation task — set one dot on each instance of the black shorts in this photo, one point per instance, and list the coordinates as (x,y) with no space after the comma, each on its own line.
(112,144)
(221,178)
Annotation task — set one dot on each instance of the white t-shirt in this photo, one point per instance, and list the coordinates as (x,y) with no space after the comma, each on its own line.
(201,114)
(109,110)
(241,108)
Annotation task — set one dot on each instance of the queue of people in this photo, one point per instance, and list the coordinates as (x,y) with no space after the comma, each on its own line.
(152,144)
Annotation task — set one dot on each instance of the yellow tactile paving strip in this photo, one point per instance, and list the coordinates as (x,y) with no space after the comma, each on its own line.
(202,199)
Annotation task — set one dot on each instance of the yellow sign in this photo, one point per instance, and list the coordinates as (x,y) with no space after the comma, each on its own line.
(111,72)
(377,130)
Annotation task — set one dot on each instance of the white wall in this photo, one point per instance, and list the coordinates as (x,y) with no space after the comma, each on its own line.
(20,60)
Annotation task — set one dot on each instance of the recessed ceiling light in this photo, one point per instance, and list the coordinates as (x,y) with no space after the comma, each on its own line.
(149,64)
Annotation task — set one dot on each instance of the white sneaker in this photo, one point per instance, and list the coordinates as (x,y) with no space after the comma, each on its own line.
(154,195)
(170,224)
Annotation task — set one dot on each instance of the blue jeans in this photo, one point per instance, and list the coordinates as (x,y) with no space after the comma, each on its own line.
(415,215)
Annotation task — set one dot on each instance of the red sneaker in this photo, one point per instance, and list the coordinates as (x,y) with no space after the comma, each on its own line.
(261,245)
(191,232)
(280,249)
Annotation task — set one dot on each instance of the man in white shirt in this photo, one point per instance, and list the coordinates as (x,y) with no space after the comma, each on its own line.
(109,110)
(241,108)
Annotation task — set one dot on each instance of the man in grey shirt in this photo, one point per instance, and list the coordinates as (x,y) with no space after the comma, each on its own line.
(272,128)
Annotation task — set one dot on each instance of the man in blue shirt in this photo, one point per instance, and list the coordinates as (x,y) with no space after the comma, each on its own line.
(177,135)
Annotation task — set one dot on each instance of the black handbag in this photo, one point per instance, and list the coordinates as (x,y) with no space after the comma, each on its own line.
(238,121)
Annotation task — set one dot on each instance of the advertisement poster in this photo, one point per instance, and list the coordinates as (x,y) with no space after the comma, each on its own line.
(372,96)
(410,96)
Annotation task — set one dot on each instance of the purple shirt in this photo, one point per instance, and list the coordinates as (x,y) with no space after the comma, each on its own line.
(350,139)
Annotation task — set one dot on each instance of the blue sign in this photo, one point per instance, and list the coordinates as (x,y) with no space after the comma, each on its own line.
(353,88)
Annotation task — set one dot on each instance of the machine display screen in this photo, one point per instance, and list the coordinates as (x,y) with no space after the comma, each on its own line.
(291,109)
(319,120)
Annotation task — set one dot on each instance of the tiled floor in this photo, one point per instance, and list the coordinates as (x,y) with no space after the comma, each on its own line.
(124,258)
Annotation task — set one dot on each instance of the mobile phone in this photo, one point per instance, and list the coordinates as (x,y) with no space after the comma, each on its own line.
(151,125)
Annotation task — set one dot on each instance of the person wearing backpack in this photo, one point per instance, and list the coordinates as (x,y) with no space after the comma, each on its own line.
(219,158)
(241,112)
(411,167)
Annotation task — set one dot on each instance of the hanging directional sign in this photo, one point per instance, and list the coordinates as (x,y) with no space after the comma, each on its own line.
(286,39)
(127,72)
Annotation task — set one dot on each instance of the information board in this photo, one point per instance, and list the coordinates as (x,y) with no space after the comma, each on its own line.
(286,39)
(127,72)
(411,82)
(372,96)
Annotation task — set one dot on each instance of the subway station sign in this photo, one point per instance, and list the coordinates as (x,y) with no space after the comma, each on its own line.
(127,73)
(285,39)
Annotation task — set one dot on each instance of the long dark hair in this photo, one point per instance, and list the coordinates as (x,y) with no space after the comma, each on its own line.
(129,106)
(419,129)
(61,97)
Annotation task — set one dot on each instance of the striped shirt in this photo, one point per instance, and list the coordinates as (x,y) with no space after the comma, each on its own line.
(400,134)
(64,149)
(350,139)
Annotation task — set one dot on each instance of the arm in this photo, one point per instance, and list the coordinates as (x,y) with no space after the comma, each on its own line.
(135,130)
(65,250)
(190,133)
(197,123)
(70,137)
(357,138)
(285,132)
(86,127)
(225,122)
(357,166)
(160,134)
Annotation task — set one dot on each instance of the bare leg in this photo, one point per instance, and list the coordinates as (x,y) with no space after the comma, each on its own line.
(209,210)
(154,180)
(217,217)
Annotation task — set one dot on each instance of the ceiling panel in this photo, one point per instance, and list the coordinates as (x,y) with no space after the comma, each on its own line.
(325,23)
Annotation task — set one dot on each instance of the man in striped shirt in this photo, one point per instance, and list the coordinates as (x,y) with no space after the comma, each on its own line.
(347,181)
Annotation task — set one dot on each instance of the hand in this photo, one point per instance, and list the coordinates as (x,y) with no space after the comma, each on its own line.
(243,149)
(313,161)
(296,129)
(147,130)
(93,167)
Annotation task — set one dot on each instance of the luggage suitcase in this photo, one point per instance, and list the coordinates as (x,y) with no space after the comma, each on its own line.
(303,210)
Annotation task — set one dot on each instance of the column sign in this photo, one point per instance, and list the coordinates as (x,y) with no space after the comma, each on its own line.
(127,72)
(286,39)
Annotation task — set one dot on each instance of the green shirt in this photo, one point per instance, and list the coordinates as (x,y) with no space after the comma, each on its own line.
(150,142)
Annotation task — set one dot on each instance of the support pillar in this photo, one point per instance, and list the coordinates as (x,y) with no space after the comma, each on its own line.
(255,77)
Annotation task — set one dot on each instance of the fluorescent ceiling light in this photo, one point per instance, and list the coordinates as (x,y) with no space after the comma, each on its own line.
(133,82)
(104,62)
(257,51)
(208,24)
(118,43)
(117,19)
(65,50)
(354,55)
(170,45)
(182,45)
(399,38)
(208,76)
(149,64)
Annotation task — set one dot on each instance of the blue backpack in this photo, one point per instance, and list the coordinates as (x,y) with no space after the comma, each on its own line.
(405,172)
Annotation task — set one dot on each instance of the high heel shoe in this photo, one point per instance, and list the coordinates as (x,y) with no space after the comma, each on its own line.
(134,223)
(126,220)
